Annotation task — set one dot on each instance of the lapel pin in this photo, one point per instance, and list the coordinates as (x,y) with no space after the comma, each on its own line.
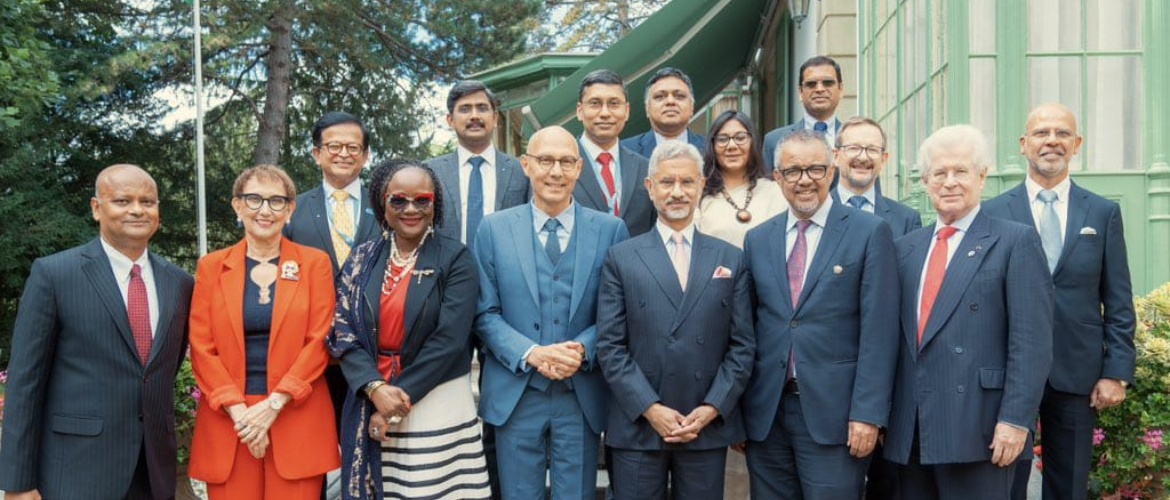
(838,269)
(422,272)
(290,271)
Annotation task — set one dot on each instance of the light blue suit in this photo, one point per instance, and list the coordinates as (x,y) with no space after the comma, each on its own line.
(509,321)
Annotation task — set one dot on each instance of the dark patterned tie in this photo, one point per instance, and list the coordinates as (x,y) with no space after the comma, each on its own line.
(857,201)
(138,310)
(474,198)
(552,245)
(605,159)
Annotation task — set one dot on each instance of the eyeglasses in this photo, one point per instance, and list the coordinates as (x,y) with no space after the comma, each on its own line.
(939,176)
(815,172)
(255,201)
(466,109)
(567,163)
(422,202)
(813,84)
(597,104)
(740,139)
(1043,133)
(856,150)
(687,183)
(335,148)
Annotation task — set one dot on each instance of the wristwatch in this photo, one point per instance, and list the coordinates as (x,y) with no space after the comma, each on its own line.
(276,403)
(373,386)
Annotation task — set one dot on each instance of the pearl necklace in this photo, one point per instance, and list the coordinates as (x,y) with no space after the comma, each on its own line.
(390,279)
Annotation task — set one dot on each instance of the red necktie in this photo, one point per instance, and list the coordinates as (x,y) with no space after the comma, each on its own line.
(936,268)
(605,159)
(138,309)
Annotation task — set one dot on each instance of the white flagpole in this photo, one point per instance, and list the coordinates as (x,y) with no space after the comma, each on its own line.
(201,185)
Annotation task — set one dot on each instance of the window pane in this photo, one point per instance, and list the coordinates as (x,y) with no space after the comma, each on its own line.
(910,47)
(1054,25)
(909,133)
(939,115)
(921,40)
(1106,16)
(1056,79)
(939,34)
(1114,122)
(887,73)
(983,106)
(981,35)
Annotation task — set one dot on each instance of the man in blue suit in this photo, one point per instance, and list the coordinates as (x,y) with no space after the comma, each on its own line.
(477,178)
(674,303)
(100,334)
(612,176)
(976,341)
(821,89)
(860,157)
(540,265)
(826,330)
(670,105)
(1093,325)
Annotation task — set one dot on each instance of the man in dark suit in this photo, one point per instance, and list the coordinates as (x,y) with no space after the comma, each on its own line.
(674,302)
(1093,325)
(540,266)
(477,178)
(612,175)
(336,216)
(821,89)
(976,339)
(826,330)
(670,105)
(98,339)
(860,157)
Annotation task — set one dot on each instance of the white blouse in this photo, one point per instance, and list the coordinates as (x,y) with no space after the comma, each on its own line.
(716,216)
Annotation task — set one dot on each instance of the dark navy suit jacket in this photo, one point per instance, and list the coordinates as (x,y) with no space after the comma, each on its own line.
(512,189)
(844,329)
(309,225)
(634,206)
(901,218)
(645,143)
(986,349)
(80,404)
(1093,324)
(657,344)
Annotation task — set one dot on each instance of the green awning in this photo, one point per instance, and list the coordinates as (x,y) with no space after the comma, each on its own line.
(713,41)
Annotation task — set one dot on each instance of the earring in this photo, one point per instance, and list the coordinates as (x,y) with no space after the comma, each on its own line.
(239,223)
(385,234)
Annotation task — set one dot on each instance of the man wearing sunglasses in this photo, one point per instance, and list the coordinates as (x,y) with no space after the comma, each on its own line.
(826,289)
(821,89)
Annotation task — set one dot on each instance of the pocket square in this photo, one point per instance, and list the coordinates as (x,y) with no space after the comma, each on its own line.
(1088,231)
(721,273)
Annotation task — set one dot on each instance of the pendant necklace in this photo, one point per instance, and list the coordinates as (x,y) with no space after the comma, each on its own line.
(264,275)
(391,278)
(741,214)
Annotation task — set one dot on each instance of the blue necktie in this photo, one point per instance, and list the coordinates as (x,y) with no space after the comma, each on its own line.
(552,245)
(474,198)
(1050,228)
(857,201)
(821,127)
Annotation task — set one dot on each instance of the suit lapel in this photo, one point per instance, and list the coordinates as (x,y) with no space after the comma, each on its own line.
(372,292)
(960,271)
(1019,206)
(231,285)
(587,243)
(913,257)
(834,231)
(101,276)
(779,243)
(657,260)
(587,184)
(1078,211)
(447,169)
(420,289)
(630,179)
(698,276)
(317,207)
(286,289)
(523,235)
(166,287)
(505,169)
(648,142)
(367,226)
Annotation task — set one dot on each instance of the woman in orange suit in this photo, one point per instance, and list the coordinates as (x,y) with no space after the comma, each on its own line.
(259,315)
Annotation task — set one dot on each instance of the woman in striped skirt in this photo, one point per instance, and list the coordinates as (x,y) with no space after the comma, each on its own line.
(406,304)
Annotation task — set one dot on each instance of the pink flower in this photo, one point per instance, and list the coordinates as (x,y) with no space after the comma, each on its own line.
(1098,436)
(1153,439)
(196,394)
(4,377)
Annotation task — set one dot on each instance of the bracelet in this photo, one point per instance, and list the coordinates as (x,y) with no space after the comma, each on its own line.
(373,386)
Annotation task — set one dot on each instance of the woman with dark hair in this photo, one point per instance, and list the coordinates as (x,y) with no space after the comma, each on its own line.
(405,307)
(737,196)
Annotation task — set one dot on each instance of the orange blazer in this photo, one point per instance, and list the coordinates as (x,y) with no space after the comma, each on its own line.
(303,441)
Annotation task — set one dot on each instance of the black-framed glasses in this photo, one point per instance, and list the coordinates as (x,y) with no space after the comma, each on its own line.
(422,202)
(335,148)
(814,172)
(276,203)
(740,139)
(857,149)
(813,84)
(546,163)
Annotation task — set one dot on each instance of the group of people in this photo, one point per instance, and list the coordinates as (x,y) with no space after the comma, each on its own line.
(661,298)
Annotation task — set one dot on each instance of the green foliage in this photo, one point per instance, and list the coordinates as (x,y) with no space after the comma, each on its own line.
(1132,460)
(28,84)
(187,398)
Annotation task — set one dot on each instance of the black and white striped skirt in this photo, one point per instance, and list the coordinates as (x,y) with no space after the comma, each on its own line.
(436,452)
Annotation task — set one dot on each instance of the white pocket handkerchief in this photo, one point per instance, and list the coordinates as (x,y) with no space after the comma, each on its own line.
(1088,231)
(721,273)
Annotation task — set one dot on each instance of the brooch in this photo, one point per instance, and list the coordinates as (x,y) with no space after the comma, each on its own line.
(290,271)
(422,272)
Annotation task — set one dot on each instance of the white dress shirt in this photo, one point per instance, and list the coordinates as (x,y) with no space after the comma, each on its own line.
(1060,205)
(953,243)
(121,265)
(592,151)
(488,171)
(354,189)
